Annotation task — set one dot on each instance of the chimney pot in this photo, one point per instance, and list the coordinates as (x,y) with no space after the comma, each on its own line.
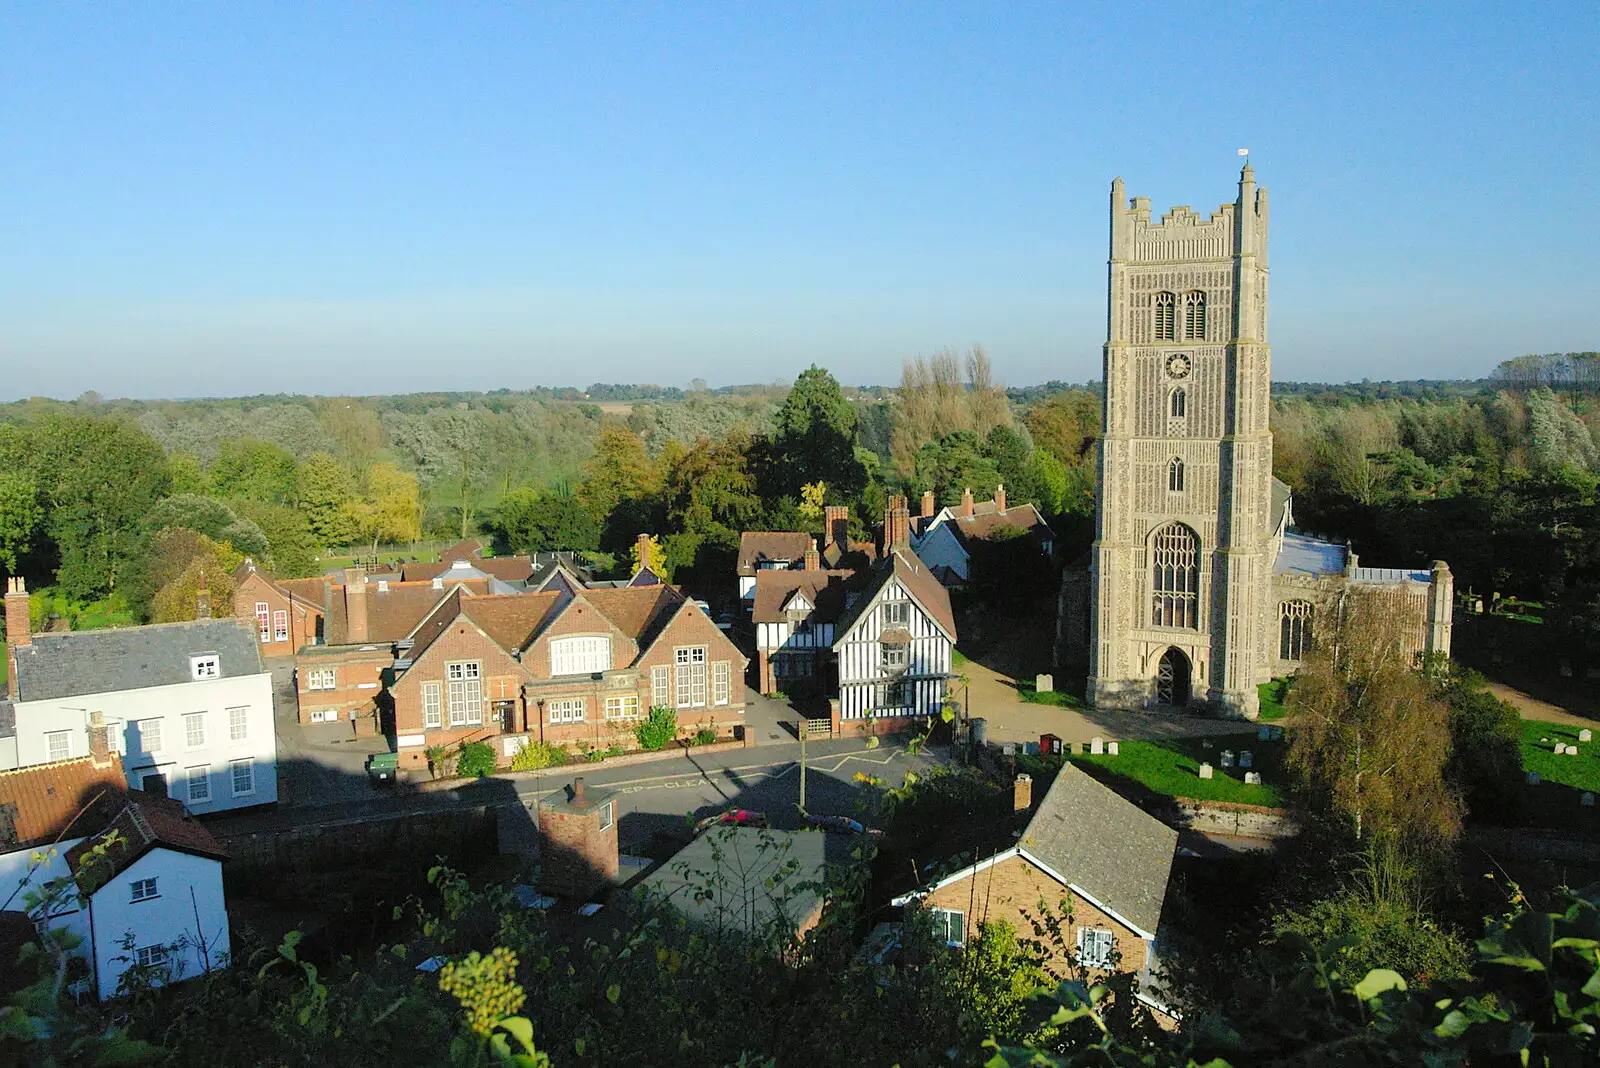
(1000,497)
(577,790)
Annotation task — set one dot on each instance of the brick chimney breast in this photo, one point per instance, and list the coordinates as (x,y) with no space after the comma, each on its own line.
(1000,497)
(355,605)
(928,505)
(99,740)
(813,559)
(966,502)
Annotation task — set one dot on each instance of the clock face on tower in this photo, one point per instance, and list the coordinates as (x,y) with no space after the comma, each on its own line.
(1178,366)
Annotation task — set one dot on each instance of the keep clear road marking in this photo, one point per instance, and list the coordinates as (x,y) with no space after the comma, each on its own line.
(756,771)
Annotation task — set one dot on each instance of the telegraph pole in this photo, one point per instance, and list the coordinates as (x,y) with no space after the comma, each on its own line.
(803,723)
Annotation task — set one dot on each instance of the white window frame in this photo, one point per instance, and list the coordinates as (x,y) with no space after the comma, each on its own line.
(238,724)
(151,956)
(1096,946)
(145,732)
(194,730)
(205,666)
(198,777)
(565,710)
(264,621)
(622,706)
(248,766)
(690,670)
(721,682)
(660,687)
(464,692)
(432,705)
(54,740)
(580,654)
(897,613)
(322,679)
(944,920)
(143,889)
(280,625)
(607,816)
(894,656)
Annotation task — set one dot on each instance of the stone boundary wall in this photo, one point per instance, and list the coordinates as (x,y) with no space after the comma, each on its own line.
(371,841)
(1222,817)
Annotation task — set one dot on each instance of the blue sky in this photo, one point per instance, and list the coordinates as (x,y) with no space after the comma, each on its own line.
(226,199)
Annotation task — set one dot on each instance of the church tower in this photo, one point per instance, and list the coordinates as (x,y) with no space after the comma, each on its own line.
(1180,570)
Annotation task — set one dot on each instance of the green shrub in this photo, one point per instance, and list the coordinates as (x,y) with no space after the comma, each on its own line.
(659,730)
(536,755)
(705,736)
(476,760)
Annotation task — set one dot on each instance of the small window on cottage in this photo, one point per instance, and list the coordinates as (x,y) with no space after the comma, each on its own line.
(622,706)
(151,956)
(1194,316)
(1178,403)
(607,816)
(142,889)
(1096,946)
(949,925)
(566,710)
(194,729)
(58,745)
(893,656)
(150,735)
(1166,317)
(322,679)
(238,724)
(206,666)
(1175,475)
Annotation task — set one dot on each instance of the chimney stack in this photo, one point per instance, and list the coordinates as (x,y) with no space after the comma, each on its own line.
(966,503)
(355,605)
(202,600)
(813,559)
(928,506)
(577,790)
(1000,497)
(99,740)
(18,631)
(897,525)
(642,550)
(836,523)
(1022,793)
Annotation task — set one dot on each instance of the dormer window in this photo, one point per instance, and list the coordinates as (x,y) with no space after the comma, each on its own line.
(205,666)
(585,655)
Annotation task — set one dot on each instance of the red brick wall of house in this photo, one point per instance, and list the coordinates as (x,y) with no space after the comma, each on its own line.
(691,627)
(302,617)
(1007,890)
(578,857)
(579,618)
(358,679)
(503,677)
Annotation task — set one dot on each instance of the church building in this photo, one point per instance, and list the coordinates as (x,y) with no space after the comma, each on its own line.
(1197,587)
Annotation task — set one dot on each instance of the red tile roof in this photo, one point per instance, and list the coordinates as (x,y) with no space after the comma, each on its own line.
(984,523)
(824,589)
(758,545)
(53,799)
(393,613)
(145,822)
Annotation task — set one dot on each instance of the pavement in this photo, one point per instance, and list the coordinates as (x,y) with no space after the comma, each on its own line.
(318,763)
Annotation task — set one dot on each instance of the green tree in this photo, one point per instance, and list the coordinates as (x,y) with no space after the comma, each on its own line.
(390,509)
(212,518)
(619,470)
(254,470)
(291,550)
(20,515)
(953,463)
(528,521)
(814,436)
(323,488)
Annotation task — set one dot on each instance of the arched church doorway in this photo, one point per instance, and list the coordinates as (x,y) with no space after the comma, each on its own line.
(1172,678)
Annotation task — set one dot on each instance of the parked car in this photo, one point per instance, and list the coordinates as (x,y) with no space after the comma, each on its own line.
(736,817)
(839,825)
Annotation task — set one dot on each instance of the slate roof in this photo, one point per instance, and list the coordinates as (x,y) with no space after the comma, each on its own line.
(129,658)
(144,823)
(758,545)
(1300,555)
(824,589)
(50,799)
(8,719)
(920,583)
(1095,839)
(747,892)
(1281,494)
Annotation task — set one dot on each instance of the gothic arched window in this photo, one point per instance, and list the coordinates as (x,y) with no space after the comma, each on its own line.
(1194,315)
(1175,475)
(1294,630)
(1166,317)
(1175,577)
(1178,403)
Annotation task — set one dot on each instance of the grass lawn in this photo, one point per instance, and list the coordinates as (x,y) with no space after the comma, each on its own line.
(1059,698)
(1581,772)
(1273,694)
(1171,768)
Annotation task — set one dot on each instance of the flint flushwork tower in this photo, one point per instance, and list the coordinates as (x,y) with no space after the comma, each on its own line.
(1180,572)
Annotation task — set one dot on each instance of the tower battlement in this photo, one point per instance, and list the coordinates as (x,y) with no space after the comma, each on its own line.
(1183,235)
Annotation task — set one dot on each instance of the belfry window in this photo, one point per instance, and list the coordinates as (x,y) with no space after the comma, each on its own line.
(1194,316)
(1294,630)
(1166,317)
(1178,403)
(1175,475)
(1175,577)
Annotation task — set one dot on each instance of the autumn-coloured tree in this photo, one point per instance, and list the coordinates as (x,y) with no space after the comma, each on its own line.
(934,401)
(391,507)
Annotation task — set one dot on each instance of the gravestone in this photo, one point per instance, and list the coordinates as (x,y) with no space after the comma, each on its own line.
(1044,684)
(1264,733)
(1111,748)
(1097,745)
(1246,759)
(1533,778)
(1587,800)
(1009,749)
(1572,750)
(1252,778)
(1561,747)
(1205,771)
(1586,735)
(1227,758)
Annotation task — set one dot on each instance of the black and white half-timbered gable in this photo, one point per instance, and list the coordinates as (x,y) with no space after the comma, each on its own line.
(894,642)
(795,613)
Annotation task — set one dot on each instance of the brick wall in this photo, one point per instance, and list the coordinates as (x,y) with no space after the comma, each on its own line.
(1006,890)
(577,856)
(502,681)
(580,617)
(693,627)
(301,617)
(358,679)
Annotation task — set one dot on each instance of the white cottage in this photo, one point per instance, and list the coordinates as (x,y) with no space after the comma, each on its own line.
(188,707)
(946,536)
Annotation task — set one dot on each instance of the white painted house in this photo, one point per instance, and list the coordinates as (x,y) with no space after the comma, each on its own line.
(892,645)
(153,897)
(945,540)
(188,706)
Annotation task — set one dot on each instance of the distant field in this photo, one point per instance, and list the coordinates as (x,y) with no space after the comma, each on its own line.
(616,407)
